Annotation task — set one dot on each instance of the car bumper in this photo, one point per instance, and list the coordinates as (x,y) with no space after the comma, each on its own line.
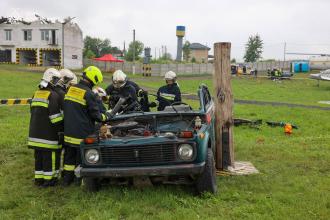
(169,170)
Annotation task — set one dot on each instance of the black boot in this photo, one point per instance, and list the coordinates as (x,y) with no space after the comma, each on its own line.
(38,182)
(68,177)
(77,181)
(49,183)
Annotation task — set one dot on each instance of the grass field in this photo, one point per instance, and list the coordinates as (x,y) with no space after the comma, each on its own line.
(299,90)
(294,179)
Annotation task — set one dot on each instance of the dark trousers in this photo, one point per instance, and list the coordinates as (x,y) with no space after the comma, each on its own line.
(47,164)
(71,158)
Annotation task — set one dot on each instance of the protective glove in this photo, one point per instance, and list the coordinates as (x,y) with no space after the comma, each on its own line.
(105,99)
(109,115)
(142,93)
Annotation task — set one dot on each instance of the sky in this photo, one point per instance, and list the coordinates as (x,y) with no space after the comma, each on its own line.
(303,24)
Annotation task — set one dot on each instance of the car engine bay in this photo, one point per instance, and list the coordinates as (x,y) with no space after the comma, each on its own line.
(143,126)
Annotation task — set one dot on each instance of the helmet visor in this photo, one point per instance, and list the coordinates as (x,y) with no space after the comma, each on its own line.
(66,79)
(119,83)
(169,81)
(55,80)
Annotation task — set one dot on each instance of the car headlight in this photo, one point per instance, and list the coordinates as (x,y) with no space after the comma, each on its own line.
(185,152)
(92,156)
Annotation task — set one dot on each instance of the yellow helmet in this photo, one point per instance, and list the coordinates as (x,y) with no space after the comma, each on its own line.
(93,74)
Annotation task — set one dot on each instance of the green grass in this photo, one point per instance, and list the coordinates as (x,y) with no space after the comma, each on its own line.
(298,91)
(294,182)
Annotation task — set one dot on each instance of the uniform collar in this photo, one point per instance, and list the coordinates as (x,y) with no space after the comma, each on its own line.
(85,83)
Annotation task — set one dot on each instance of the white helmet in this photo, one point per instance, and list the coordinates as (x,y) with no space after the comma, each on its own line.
(119,79)
(66,77)
(50,76)
(99,91)
(170,75)
(74,81)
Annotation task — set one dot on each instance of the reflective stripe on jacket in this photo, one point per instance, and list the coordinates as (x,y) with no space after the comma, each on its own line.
(167,95)
(46,120)
(80,111)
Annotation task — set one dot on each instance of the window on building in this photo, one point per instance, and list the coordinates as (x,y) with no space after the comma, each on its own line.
(53,37)
(45,35)
(27,35)
(8,34)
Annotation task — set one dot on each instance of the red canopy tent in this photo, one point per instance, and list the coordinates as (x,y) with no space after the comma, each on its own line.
(108,58)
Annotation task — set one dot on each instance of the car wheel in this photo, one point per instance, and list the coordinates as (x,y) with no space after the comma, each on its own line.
(207,182)
(91,184)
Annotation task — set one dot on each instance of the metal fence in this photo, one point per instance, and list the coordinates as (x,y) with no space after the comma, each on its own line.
(182,69)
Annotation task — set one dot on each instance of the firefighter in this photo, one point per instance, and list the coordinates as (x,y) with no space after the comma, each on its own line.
(139,91)
(142,94)
(269,73)
(81,112)
(63,84)
(170,93)
(121,88)
(74,81)
(101,96)
(45,124)
(68,78)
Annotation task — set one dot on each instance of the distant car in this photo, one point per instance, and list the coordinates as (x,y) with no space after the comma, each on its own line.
(240,69)
(176,145)
(278,74)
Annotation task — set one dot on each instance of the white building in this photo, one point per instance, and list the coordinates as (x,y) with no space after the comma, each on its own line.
(41,43)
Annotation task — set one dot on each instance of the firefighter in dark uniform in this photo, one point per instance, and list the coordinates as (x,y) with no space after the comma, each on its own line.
(101,97)
(144,100)
(170,93)
(81,112)
(45,124)
(121,89)
(63,84)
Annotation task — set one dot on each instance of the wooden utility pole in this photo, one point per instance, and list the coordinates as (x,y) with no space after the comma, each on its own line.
(223,106)
(133,52)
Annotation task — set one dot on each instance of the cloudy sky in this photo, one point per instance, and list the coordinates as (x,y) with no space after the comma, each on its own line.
(303,24)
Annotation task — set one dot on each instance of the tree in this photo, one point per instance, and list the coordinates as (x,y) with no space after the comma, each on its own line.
(89,54)
(98,47)
(186,51)
(116,50)
(193,60)
(138,45)
(105,47)
(253,48)
(92,44)
(166,56)
(233,60)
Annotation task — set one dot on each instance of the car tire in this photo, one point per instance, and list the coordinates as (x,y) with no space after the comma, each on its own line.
(91,184)
(207,181)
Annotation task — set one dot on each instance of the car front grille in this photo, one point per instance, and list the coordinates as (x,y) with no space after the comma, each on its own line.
(138,155)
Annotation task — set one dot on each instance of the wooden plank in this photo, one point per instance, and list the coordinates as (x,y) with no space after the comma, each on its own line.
(223,106)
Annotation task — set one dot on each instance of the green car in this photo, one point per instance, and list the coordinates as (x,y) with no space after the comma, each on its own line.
(176,146)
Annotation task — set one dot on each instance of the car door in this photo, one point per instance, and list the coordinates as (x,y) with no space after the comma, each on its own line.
(208,104)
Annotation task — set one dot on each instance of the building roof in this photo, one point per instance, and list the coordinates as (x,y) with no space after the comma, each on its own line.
(198,46)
